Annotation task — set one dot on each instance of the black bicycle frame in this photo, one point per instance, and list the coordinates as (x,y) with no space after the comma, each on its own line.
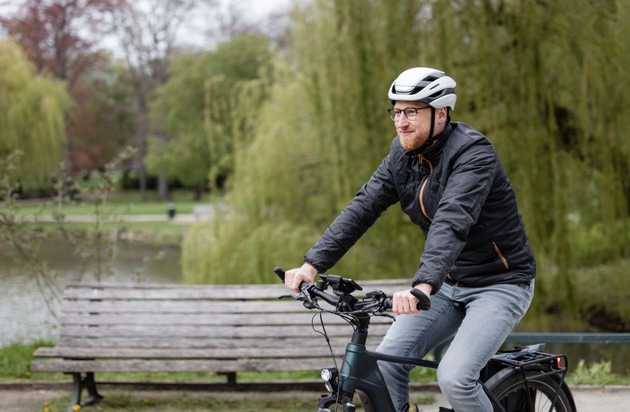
(361,374)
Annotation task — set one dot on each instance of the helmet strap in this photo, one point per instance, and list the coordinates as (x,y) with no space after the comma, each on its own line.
(430,138)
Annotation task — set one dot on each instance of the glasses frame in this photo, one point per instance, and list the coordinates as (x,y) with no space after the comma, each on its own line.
(411,113)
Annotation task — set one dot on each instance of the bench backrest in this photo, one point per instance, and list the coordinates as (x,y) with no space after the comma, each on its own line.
(194,321)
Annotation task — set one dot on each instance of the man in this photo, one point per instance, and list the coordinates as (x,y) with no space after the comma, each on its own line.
(477,264)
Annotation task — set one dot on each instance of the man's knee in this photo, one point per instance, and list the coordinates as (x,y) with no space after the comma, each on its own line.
(454,382)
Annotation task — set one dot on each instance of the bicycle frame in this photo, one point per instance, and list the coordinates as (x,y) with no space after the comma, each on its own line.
(360,373)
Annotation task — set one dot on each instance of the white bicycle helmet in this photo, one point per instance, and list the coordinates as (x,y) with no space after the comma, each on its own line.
(426,85)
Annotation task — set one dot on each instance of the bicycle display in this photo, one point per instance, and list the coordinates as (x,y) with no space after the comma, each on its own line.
(524,379)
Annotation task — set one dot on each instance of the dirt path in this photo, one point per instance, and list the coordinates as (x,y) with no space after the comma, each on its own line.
(587,398)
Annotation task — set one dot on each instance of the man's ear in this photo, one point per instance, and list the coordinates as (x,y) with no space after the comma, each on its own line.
(442,114)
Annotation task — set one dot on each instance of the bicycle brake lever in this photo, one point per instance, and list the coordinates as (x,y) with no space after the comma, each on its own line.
(295,296)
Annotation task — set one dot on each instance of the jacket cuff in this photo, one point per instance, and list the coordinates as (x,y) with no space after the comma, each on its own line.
(320,269)
(420,278)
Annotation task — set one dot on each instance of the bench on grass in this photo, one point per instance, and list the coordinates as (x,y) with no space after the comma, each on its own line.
(224,329)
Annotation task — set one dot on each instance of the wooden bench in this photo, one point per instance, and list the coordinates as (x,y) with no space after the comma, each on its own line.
(182,328)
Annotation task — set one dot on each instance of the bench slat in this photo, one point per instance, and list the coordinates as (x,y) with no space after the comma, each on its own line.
(151,320)
(171,332)
(288,349)
(218,293)
(189,343)
(148,365)
(179,306)
(191,292)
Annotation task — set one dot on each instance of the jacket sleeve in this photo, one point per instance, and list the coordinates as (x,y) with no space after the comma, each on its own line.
(472,173)
(355,219)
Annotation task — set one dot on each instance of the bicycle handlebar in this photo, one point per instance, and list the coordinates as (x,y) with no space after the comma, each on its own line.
(343,300)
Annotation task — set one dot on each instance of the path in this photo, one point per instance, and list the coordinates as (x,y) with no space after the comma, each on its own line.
(180,218)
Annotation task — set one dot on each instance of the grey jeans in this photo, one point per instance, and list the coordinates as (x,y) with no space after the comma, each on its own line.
(481,318)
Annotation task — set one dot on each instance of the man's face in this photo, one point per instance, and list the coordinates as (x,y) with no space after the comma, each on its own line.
(414,133)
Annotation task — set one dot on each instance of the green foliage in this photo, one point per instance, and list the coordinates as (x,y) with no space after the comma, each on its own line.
(32,110)
(598,373)
(544,81)
(201,105)
(232,256)
(317,140)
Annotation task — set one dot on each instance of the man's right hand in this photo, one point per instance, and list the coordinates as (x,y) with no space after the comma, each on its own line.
(293,278)
(405,303)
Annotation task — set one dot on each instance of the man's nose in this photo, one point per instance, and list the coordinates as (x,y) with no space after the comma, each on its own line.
(401,119)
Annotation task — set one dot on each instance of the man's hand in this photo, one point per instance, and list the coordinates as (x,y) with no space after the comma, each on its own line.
(294,277)
(406,303)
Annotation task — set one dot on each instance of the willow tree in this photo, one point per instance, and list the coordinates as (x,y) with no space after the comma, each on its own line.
(32,110)
(317,140)
(544,80)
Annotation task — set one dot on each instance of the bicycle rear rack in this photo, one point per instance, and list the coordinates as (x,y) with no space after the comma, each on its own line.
(524,359)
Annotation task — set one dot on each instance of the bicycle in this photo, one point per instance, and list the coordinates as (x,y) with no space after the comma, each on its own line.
(524,379)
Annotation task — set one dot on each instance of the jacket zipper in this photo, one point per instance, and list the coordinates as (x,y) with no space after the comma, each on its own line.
(503,259)
(422,159)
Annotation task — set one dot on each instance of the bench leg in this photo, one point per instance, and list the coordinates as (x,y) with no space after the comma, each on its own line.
(231,377)
(79,383)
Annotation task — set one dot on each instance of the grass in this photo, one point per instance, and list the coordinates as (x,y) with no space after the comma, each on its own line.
(15,360)
(128,203)
(123,205)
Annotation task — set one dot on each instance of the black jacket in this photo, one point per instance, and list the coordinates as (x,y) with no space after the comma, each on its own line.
(457,191)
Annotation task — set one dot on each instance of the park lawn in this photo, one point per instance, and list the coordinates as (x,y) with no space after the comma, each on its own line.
(117,214)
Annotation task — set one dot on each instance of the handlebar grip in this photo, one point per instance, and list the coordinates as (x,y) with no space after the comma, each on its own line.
(424,302)
(279,272)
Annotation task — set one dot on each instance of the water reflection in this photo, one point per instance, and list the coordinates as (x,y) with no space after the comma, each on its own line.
(28,303)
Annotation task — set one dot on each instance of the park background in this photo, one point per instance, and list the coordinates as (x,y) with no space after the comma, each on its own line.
(111,107)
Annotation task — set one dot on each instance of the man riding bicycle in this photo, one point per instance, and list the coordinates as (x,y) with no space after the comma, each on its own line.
(477,264)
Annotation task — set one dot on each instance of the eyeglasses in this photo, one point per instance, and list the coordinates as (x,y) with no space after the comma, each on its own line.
(411,113)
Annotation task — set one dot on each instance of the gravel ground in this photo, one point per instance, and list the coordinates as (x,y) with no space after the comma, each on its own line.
(30,398)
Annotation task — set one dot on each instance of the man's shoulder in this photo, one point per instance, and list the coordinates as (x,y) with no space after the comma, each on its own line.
(465,133)
(463,136)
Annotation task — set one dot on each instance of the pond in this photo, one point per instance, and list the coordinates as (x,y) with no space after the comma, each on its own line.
(25,315)
(27,303)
